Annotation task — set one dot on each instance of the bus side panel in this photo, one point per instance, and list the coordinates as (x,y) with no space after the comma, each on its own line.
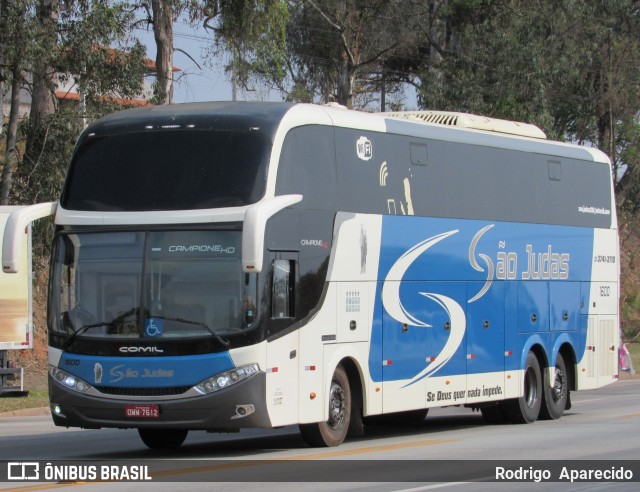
(404,349)
(486,343)
(318,332)
(597,363)
(533,306)
(564,306)
(527,274)
(344,318)
(282,380)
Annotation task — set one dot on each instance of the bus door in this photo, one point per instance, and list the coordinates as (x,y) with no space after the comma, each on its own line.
(283,347)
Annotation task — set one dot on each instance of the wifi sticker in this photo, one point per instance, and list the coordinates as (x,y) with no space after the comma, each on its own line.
(384,173)
(364,149)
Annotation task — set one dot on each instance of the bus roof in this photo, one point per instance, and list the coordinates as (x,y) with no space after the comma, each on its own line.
(271,117)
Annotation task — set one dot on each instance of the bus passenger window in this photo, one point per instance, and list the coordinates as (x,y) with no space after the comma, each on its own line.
(282,291)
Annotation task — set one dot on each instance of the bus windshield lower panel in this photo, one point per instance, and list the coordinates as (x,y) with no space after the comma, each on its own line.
(155,285)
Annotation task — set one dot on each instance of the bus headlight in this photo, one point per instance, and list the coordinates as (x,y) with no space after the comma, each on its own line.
(68,380)
(225,379)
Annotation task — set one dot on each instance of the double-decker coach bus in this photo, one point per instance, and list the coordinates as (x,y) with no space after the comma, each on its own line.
(218,266)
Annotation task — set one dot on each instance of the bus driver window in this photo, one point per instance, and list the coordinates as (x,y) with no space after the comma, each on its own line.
(282,290)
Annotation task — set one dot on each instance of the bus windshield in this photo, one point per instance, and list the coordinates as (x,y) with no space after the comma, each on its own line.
(158,284)
(167,169)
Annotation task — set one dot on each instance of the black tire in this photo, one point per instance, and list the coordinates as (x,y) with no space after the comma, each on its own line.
(494,414)
(163,438)
(526,409)
(409,417)
(556,394)
(333,431)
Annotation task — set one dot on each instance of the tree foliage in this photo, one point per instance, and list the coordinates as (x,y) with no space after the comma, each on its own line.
(570,67)
(14,32)
(336,50)
(160,15)
(252,32)
(81,43)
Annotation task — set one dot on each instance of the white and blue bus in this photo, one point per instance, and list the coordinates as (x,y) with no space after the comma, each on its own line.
(218,266)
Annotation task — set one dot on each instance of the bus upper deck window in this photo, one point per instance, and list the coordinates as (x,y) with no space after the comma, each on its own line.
(282,291)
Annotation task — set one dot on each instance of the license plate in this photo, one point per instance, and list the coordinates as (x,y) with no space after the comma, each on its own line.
(142,411)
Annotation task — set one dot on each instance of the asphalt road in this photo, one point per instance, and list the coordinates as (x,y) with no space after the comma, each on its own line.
(602,425)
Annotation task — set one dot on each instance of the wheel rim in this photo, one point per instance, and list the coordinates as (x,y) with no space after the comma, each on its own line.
(530,387)
(337,406)
(558,388)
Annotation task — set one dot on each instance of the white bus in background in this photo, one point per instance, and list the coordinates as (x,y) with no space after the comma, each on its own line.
(16,323)
(227,265)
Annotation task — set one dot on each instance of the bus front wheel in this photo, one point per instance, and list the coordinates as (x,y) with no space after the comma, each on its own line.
(526,409)
(334,430)
(163,438)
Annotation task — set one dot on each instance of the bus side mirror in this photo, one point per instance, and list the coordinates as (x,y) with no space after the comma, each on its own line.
(14,232)
(253,229)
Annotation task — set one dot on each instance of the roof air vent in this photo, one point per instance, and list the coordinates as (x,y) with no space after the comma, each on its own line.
(472,121)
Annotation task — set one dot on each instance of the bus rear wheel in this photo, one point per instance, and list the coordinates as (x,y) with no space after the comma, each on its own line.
(556,393)
(163,438)
(333,431)
(525,410)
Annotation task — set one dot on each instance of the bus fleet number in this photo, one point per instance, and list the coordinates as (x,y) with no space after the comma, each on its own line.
(605,291)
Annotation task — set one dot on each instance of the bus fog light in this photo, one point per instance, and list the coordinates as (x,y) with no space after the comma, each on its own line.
(226,379)
(243,411)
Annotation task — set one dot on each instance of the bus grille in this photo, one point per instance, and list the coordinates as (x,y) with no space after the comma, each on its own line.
(169,391)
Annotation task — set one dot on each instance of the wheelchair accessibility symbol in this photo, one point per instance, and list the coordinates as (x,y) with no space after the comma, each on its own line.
(152,327)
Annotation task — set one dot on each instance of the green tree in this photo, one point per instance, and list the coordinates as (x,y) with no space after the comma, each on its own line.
(337,50)
(570,66)
(160,15)
(252,32)
(14,32)
(68,45)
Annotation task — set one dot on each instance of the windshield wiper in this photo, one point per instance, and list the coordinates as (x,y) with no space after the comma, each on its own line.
(222,340)
(67,343)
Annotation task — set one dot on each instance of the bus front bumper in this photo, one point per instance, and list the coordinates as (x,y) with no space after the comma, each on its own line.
(239,406)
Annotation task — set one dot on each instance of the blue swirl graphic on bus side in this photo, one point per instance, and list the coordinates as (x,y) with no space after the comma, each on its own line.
(437,273)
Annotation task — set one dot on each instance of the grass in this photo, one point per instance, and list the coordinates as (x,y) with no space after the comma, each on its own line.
(37,398)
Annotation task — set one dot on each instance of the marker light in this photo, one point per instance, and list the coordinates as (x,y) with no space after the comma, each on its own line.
(226,379)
